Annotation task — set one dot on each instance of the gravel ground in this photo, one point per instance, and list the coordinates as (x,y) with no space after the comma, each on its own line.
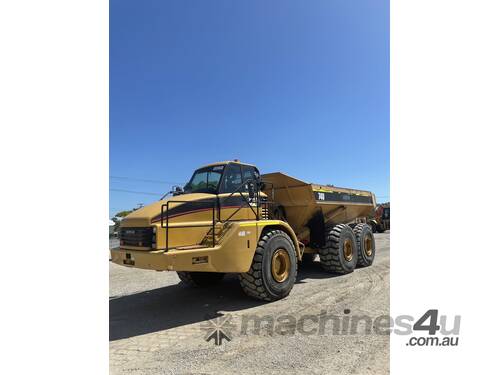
(157,325)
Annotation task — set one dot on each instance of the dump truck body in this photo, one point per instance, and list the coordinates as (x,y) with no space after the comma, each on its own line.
(229,219)
(308,207)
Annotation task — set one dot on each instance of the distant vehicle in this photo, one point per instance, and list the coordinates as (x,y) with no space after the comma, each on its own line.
(381,220)
(230,219)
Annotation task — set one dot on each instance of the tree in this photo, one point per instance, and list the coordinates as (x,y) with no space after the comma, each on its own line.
(123,213)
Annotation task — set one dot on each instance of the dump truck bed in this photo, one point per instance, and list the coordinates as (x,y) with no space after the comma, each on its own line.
(303,201)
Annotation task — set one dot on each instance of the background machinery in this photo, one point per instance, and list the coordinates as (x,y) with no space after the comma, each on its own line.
(381,219)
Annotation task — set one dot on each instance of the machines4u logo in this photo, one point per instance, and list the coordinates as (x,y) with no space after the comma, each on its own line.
(218,329)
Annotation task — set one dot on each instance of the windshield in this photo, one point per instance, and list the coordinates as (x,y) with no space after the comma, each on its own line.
(205,180)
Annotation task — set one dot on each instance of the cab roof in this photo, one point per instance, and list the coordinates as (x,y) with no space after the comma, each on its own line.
(227,162)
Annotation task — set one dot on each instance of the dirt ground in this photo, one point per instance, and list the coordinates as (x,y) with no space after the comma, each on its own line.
(158,326)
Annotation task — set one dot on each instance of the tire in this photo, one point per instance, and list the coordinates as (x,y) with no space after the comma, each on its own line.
(365,243)
(260,281)
(339,254)
(308,258)
(200,279)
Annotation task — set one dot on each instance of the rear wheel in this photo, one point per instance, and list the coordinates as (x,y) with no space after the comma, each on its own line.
(339,254)
(274,268)
(200,279)
(365,243)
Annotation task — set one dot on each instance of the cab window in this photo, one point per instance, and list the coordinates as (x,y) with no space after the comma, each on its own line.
(232,179)
(250,173)
(205,180)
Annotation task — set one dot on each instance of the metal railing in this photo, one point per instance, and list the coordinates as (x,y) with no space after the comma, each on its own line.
(164,218)
(216,208)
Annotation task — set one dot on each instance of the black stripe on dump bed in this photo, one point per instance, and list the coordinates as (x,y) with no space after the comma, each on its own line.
(341,197)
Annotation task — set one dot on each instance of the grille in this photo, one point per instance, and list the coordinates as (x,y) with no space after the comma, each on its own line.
(142,237)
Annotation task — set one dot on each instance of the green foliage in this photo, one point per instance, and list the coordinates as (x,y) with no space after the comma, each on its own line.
(123,213)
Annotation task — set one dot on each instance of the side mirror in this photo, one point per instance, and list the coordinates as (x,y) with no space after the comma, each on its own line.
(262,186)
(177,190)
(251,190)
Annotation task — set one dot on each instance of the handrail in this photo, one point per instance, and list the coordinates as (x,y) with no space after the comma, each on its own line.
(238,189)
(217,202)
(162,214)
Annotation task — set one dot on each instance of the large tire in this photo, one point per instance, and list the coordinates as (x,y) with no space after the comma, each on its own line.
(339,254)
(200,279)
(262,281)
(365,243)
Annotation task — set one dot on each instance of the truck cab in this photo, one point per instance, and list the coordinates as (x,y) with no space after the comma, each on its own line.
(216,195)
(230,183)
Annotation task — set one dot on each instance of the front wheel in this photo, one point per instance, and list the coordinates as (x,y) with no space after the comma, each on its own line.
(274,268)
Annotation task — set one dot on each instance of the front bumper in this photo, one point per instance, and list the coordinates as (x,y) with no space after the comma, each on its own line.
(197,260)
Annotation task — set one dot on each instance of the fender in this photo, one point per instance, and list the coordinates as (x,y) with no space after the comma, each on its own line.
(285,227)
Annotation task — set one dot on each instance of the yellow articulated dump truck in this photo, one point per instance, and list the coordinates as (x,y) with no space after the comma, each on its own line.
(231,219)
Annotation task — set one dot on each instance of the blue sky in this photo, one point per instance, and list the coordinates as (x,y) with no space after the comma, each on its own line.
(294,86)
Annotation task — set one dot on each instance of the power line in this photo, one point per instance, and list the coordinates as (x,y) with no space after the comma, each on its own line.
(156,194)
(136,192)
(145,180)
